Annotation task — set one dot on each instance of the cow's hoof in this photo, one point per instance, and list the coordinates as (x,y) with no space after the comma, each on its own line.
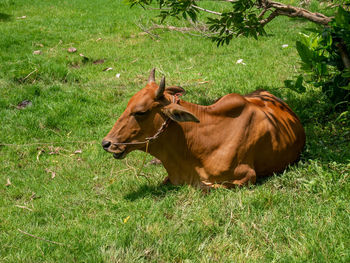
(166,181)
(155,161)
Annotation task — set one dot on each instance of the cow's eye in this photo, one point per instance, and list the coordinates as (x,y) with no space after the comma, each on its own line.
(139,113)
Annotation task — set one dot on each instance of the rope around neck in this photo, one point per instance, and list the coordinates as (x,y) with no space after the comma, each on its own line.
(144,160)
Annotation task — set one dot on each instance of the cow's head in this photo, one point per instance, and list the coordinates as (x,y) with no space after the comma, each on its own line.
(143,116)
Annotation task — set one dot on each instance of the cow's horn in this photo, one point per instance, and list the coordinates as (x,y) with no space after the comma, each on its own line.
(160,90)
(151,76)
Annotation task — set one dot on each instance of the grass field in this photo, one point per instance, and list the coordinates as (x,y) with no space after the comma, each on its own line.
(69,201)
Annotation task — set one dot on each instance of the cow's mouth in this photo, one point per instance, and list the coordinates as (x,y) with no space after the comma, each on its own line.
(119,155)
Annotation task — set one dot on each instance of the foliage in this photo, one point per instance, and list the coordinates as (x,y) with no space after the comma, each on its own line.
(242,17)
(235,23)
(186,8)
(322,60)
(241,20)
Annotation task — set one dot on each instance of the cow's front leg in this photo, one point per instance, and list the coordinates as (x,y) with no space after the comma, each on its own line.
(206,187)
(166,180)
(242,175)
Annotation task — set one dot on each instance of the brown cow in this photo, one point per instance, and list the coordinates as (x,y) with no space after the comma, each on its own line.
(228,143)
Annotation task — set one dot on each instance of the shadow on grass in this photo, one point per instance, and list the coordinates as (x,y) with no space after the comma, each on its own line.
(261,180)
(154,191)
(5,17)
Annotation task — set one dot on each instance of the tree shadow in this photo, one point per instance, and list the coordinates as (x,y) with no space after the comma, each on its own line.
(153,191)
(261,180)
(5,17)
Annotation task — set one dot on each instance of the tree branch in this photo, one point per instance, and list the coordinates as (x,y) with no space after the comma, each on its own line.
(173,28)
(263,22)
(288,10)
(292,11)
(153,36)
(206,10)
(344,54)
(263,12)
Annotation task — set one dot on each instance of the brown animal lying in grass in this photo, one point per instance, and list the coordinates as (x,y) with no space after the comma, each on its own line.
(228,143)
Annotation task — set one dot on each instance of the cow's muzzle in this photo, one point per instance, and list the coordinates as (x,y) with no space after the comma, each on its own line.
(119,151)
(106,144)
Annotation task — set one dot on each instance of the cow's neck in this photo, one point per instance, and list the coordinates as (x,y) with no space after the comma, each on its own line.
(175,148)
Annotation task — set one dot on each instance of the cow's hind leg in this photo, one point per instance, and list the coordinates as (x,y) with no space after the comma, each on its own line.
(245,175)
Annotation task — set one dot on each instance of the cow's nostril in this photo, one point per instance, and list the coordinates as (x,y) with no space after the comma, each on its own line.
(106,144)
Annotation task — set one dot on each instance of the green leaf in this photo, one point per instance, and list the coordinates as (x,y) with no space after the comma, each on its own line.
(222,31)
(342,115)
(289,83)
(229,21)
(296,85)
(305,53)
(299,84)
(345,87)
(346,74)
(212,28)
(193,15)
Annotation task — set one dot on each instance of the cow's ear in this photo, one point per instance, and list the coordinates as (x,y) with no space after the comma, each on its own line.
(172,90)
(179,113)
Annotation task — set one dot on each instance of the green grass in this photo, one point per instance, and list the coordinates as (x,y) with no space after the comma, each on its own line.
(95,206)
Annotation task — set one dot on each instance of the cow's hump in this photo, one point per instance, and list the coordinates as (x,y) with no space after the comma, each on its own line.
(230,104)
